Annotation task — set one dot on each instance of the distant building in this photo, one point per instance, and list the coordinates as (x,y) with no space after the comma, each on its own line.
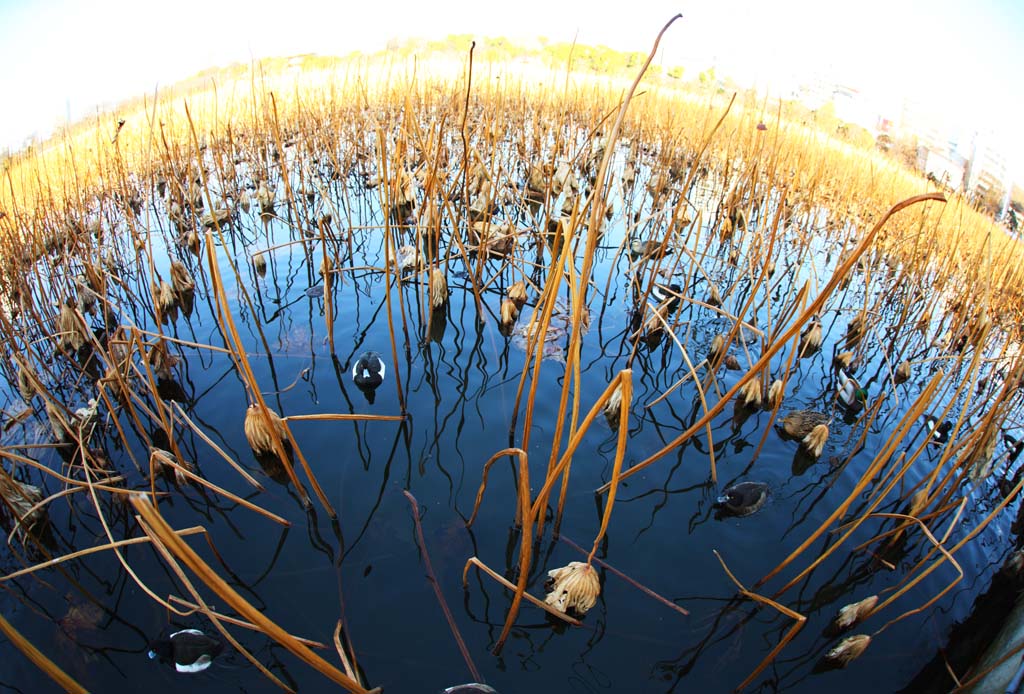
(988,172)
(965,159)
(946,168)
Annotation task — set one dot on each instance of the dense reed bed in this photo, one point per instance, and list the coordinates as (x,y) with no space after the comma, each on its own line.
(666,276)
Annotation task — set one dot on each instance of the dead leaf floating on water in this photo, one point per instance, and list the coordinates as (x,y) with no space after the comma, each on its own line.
(810,339)
(750,394)
(613,408)
(70,328)
(903,373)
(854,613)
(775,394)
(517,293)
(259,430)
(843,360)
(815,441)
(181,279)
(438,289)
(22,497)
(575,588)
(848,650)
(169,463)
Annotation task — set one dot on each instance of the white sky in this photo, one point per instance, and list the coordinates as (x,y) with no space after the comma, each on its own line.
(959,58)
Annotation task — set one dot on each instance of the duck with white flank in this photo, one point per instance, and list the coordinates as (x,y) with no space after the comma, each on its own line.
(368,373)
(939,432)
(189,649)
(851,394)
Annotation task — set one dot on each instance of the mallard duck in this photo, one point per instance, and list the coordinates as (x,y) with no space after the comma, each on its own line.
(742,499)
(939,432)
(800,423)
(189,649)
(850,392)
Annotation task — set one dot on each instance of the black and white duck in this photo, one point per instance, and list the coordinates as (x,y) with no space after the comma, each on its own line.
(939,431)
(189,649)
(368,373)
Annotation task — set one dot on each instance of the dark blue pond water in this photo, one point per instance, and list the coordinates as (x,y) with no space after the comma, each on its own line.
(458,379)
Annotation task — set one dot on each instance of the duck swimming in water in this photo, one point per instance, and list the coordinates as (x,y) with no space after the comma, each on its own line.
(850,392)
(667,294)
(939,432)
(800,423)
(810,427)
(642,250)
(189,649)
(368,373)
(742,499)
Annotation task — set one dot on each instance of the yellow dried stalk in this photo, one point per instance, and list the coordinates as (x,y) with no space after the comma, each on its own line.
(65,681)
(187,556)
(798,623)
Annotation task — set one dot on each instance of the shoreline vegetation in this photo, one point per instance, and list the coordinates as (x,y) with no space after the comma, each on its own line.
(836,161)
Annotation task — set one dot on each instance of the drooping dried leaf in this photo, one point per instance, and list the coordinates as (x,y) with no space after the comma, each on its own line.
(848,650)
(517,293)
(258,430)
(815,441)
(854,613)
(750,394)
(21,497)
(576,587)
(438,288)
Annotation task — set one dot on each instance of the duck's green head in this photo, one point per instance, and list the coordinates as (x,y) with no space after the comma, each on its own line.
(861,395)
